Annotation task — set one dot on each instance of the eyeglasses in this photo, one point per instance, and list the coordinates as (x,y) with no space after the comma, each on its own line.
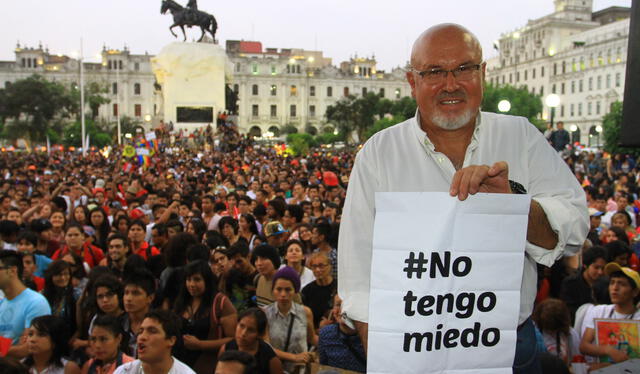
(319,266)
(461,73)
(107,295)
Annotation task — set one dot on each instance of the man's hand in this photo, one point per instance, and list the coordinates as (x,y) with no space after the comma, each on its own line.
(480,178)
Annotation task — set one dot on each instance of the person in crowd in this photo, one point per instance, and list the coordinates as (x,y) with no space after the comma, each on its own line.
(208,318)
(120,225)
(75,240)
(98,220)
(291,330)
(221,265)
(228,227)
(27,244)
(139,246)
(624,288)
(576,289)
(159,236)
(159,332)
(47,346)
(236,362)
(305,235)
(292,219)
(317,208)
(58,223)
(321,237)
(266,260)
(318,295)
(139,292)
(252,326)
(276,235)
(339,345)
(196,226)
(595,229)
(294,258)
(29,278)
(79,215)
(248,229)
(59,292)
(20,305)
(239,285)
(107,294)
(118,250)
(552,319)
(106,340)
(619,252)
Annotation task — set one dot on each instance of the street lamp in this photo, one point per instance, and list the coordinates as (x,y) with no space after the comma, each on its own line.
(504,106)
(573,129)
(598,132)
(552,102)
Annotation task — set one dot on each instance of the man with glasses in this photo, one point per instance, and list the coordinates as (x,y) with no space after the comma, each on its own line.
(451,146)
(19,305)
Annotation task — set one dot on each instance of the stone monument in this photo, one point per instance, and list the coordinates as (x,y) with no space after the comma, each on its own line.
(193,78)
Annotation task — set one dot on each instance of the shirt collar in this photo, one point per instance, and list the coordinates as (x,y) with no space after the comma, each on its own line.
(292,311)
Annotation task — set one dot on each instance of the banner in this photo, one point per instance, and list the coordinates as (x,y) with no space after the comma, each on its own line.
(445,282)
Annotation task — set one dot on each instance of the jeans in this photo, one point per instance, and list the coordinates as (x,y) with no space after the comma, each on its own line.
(526,360)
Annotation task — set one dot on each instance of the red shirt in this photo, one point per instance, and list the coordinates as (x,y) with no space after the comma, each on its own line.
(92,255)
(142,251)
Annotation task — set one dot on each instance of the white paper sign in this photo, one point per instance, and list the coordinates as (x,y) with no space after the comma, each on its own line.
(445,282)
(150,135)
(142,151)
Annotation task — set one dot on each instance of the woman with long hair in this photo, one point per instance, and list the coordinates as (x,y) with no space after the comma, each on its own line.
(197,227)
(294,258)
(120,225)
(59,292)
(107,341)
(228,227)
(99,221)
(79,215)
(317,208)
(252,325)
(208,317)
(248,229)
(58,223)
(552,319)
(47,340)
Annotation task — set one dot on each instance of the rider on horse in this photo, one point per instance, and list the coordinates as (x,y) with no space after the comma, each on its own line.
(192,12)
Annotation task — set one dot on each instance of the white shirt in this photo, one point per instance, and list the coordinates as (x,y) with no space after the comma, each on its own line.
(603,311)
(403,159)
(135,367)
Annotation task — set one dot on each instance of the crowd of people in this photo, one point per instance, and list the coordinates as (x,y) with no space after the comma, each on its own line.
(230,259)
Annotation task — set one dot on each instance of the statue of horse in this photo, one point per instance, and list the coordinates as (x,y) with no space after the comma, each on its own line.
(186,17)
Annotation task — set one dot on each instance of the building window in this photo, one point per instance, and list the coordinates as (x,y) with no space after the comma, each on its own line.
(382,90)
(312,91)
(137,110)
(589,108)
(562,110)
(600,60)
(238,67)
(274,90)
(571,110)
(590,83)
(580,85)
(573,86)
(541,90)
(599,82)
(109,66)
(608,80)
(136,66)
(312,110)
(136,88)
(236,88)
(254,89)
(254,110)
(273,70)
(24,63)
(398,92)
(618,76)
(553,88)
(346,91)
(525,75)
(597,107)
(274,111)
(564,67)
(517,76)
(542,71)
(120,65)
(533,73)
(555,69)
(329,91)
(254,69)
(562,88)
(114,88)
(292,110)
(293,90)
(510,78)
(115,110)
(579,109)
(364,91)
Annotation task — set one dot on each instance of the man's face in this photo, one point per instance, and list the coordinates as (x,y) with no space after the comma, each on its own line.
(207,206)
(28,267)
(595,270)
(15,217)
(447,102)
(241,264)
(136,299)
(231,200)
(621,291)
(117,250)
(595,222)
(316,237)
(243,207)
(153,344)
(622,202)
(158,239)
(298,191)
(601,205)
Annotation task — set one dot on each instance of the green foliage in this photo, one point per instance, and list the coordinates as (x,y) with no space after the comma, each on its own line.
(288,129)
(94,97)
(611,123)
(523,102)
(99,134)
(382,124)
(32,104)
(329,138)
(300,143)
(358,114)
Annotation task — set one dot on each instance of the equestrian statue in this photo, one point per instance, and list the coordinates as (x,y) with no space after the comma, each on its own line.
(190,16)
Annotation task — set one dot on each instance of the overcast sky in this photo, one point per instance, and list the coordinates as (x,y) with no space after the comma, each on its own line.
(340,28)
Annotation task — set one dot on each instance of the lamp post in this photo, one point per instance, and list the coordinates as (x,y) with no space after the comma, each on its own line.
(552,102)
(598,132)
(573,129)
(504,106)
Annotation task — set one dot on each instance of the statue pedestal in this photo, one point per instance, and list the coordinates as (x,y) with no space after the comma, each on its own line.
(193,77)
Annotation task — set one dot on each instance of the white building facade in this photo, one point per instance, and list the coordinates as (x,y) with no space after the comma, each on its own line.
(575,53)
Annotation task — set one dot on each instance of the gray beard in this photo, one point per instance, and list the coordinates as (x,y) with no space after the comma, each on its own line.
(452,123)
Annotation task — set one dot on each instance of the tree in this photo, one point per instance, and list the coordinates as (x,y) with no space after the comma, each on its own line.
(300,143)
(99,136)
(32,104)
(611,123)
(94,97)
(523,102)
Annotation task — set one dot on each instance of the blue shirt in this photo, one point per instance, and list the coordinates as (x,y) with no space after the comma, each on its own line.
(42,263)
(340,350)
(16,314)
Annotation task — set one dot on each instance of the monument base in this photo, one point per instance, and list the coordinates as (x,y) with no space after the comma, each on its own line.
(193,78)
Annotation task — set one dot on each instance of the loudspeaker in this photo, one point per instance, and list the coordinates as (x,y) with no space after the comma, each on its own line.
(630,129)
